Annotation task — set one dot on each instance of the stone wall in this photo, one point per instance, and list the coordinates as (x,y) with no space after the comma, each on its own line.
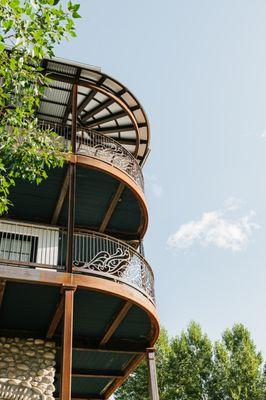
(27,369)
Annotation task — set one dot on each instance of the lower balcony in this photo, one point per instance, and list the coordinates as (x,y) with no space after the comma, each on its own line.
(94,254)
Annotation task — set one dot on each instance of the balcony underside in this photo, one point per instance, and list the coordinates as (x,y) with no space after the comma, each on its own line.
(113,324)
(103,201)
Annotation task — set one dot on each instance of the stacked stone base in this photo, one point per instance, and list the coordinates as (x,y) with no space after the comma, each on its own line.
(27,369)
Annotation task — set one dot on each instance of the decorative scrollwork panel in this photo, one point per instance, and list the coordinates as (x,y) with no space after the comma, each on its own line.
(121,263)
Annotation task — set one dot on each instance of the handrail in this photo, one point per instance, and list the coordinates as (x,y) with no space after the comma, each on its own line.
(93,254)
(94,144)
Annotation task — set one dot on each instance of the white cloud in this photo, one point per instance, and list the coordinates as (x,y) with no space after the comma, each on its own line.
(216,228)
(263,135)
(154,185)
(232,204)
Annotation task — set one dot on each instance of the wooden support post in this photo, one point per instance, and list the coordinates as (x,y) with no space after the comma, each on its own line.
(154,394)
(71,217)
(74,117)
(72,185)
(67,339)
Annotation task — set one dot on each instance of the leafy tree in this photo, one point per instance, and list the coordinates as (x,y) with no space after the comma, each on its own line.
(237,370)
(29,30)
(137,386)
(191,368)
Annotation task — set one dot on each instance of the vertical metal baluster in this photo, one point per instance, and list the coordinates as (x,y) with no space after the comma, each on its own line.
(4,245)
(75,256)
(93,243)
(48,231)
(32,245)
(83,248)
(1,244)
(45,256)
(52,250)
(87,246)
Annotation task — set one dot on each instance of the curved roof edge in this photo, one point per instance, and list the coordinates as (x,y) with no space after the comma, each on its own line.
(104,104)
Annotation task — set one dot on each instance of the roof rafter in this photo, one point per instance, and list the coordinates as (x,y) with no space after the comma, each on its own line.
(102,106)
(90,96)
(115,323)
(108,118)
(120,128)
(98,373)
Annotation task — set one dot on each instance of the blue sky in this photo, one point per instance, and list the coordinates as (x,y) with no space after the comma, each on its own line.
(199,69)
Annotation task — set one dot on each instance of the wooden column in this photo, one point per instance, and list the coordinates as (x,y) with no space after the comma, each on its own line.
(154,394)
(71,217)
(72,184)
(66,348)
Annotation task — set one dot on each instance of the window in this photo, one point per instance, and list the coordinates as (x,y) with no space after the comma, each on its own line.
(18,247)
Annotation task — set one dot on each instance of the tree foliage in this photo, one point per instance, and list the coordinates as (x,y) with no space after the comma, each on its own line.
(190,367)
(29,30)
(237,368)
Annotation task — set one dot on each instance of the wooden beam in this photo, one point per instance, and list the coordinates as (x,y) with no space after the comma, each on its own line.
(56,318)
(100,107)
(58,103)
(72,185)
(154,394)
(115,323)
(111,207)
(135,361)
(111,347)
(108,118)
(121,128)
(2,291)
(61,199)
(66,361)
(91,373)
(84,344)
(90,96)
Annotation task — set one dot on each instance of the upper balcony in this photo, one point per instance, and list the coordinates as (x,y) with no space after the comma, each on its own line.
(111,144)
(93,144)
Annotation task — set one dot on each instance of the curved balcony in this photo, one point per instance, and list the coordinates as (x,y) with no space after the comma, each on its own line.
(37,246)
(96,145)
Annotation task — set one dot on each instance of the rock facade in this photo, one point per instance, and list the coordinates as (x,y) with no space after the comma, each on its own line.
(27,369)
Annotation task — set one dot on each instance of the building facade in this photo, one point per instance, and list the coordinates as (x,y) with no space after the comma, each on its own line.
(77,301)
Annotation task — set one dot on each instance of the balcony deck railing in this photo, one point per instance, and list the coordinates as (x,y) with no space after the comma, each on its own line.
(94,144)
(35,246)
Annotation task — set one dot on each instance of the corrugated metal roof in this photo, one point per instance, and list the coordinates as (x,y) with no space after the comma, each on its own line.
(98,110)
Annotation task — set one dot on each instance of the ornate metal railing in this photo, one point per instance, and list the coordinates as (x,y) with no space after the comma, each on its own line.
(33,246)
(94,144)
(98,254)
